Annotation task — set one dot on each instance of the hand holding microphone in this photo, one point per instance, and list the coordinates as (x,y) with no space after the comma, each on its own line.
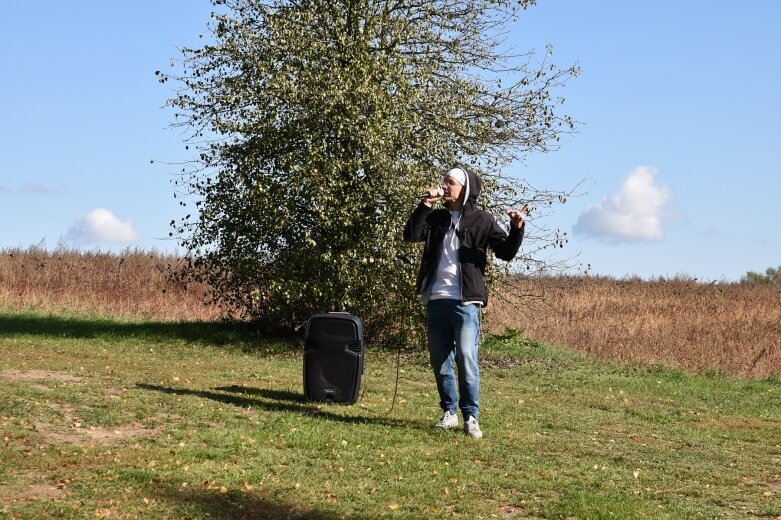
(431,195)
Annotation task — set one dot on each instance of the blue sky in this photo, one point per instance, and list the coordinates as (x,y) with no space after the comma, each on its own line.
(679,140)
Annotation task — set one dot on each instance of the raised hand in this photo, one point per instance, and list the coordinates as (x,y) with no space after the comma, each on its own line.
(517,216)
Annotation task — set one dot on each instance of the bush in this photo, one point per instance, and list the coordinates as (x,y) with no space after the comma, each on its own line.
(772,276)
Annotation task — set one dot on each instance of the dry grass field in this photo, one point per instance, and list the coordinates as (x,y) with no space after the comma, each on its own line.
(722,327)
(729,328)
(130,284)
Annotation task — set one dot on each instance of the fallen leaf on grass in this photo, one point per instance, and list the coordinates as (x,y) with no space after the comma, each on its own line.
(393,507)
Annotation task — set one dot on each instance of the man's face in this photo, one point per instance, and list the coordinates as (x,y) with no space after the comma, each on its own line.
(452,188)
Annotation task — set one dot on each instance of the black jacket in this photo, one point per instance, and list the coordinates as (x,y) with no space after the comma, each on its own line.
(477,232)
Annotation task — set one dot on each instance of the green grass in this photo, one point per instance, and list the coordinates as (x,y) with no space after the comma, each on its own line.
(153,420)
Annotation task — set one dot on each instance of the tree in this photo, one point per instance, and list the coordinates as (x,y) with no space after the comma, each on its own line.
(318,123)
(772,276)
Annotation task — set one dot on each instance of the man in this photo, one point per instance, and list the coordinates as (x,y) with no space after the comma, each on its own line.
(451,283)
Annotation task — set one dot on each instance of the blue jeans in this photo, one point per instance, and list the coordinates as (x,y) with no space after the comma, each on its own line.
(453,332)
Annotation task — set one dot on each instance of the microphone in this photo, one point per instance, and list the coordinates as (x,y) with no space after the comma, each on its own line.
(428,194)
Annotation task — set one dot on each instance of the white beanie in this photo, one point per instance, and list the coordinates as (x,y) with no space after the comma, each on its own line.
(457,174)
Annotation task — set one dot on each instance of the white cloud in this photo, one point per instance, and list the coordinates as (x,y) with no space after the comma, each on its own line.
(101,226)
(634,213)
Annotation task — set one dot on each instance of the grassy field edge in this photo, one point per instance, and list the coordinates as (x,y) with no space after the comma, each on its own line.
(129,419)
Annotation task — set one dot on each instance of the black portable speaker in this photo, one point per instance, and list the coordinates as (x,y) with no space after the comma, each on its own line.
(333,357)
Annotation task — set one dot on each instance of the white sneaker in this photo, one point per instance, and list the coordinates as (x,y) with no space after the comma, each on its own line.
(472,428)
(448,420)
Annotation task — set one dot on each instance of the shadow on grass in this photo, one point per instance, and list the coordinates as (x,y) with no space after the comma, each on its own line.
(282,401)
(215,333)
(273,395)
(210,503)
